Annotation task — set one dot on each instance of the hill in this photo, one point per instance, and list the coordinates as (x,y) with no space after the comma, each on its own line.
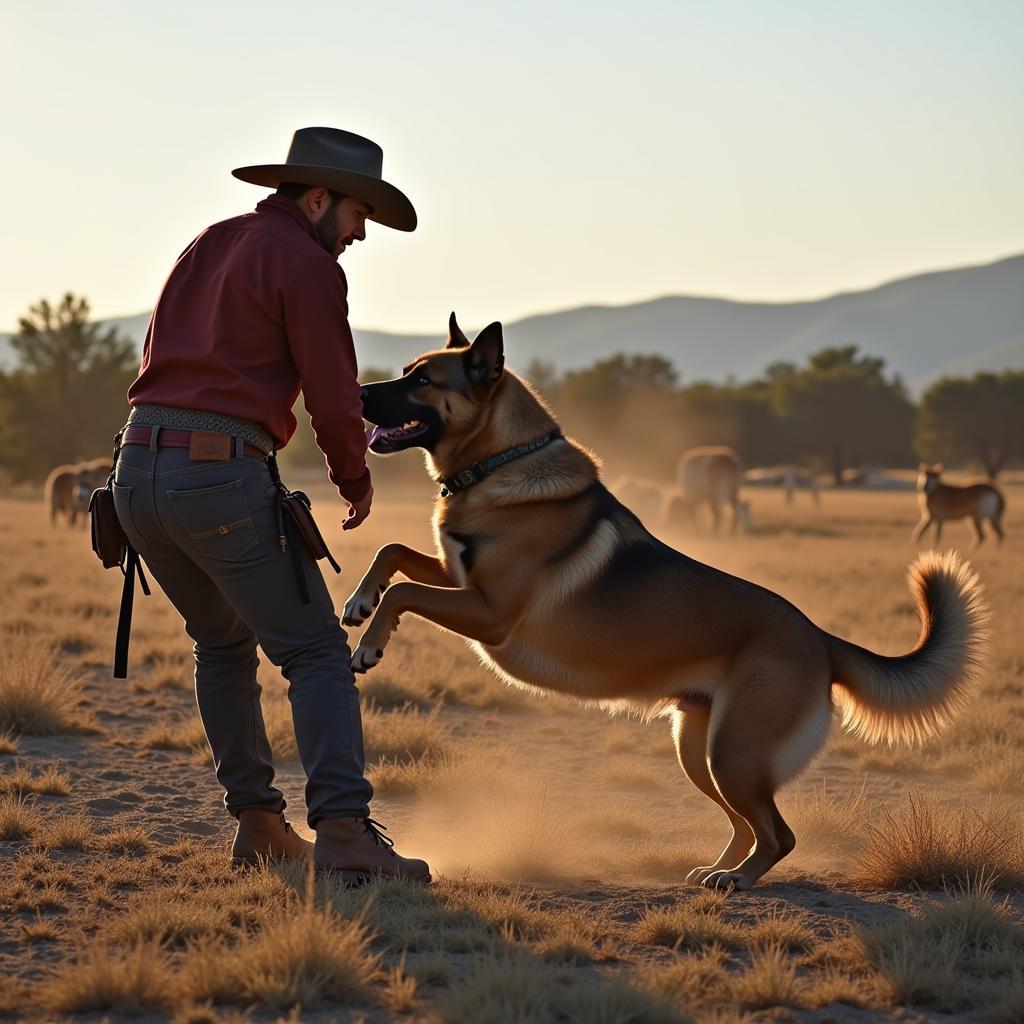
(947,322)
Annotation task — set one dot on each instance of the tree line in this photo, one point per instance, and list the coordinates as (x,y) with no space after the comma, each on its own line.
(64,399)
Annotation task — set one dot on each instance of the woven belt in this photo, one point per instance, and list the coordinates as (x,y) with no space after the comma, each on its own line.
(167,438)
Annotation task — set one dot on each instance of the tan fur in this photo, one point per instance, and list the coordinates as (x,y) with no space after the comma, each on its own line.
(561,588)
(58,493)
(980,500)
(713,476)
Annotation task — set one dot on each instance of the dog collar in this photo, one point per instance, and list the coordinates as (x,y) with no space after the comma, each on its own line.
(467,477)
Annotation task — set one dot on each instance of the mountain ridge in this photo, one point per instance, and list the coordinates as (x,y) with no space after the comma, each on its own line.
(941,322)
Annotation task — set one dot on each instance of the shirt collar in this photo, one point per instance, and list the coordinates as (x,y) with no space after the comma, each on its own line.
(283,206)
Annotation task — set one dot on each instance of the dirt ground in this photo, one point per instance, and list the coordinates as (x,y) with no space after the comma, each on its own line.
(561,836)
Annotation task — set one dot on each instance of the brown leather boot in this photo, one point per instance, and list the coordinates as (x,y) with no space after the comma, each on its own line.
(266,835)
(357,849)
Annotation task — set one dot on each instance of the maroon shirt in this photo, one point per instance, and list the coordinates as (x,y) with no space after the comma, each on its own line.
(254,311)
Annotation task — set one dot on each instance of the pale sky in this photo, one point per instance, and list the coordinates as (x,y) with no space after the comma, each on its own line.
(557,153)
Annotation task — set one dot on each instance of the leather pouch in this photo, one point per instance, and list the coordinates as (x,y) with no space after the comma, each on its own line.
(297,507)
(108,538)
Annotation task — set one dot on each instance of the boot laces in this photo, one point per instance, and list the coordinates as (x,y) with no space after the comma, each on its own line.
(377,830)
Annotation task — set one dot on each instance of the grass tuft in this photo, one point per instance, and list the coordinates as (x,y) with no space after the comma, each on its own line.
(306,957)
(39,693)
(104,979)
(50,782)
(18,818)
(923,844)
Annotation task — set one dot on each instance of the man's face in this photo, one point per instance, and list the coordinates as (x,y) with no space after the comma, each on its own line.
(341,223)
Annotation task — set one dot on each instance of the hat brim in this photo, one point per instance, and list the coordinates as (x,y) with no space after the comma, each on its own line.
(390,205)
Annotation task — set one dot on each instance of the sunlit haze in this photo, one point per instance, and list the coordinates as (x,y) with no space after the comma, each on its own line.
(557,154)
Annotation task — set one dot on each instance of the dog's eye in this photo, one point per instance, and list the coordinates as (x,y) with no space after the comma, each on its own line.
(423,380)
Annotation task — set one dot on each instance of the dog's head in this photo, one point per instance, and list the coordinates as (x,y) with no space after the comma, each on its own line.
(928,476)
(440,396)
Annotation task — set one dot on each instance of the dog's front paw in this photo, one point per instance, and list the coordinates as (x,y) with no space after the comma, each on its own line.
(365,657)
(359,607)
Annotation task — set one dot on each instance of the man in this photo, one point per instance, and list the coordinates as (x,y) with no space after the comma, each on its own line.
(254,310)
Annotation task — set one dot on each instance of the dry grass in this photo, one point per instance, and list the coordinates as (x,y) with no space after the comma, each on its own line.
(467,789)
(51,781)
(182,735)
(98,978)
(307,957)
(127,839)
(65,832)
(19,819)
(956,954)
(695,923)
(924,844)
(39,692)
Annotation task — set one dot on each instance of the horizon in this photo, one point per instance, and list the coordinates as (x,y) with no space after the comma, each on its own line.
(805,300)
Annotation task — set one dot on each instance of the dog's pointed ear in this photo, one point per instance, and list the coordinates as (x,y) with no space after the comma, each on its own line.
(922,467)
(456,339)
(486,356)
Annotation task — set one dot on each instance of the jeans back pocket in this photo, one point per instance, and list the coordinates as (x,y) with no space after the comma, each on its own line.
(217,519)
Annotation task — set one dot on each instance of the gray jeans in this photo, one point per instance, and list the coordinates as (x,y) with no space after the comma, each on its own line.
(208,534)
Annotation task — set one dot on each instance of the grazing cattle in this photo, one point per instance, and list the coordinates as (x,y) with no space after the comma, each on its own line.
(713,476)
(59,493)
(979,500)
(68,488)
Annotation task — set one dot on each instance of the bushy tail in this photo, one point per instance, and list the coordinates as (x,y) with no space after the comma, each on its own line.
(912,697)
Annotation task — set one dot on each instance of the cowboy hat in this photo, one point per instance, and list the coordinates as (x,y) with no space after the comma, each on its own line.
(340,161)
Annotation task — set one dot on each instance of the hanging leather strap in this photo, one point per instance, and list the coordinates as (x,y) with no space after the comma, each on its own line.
(124,618)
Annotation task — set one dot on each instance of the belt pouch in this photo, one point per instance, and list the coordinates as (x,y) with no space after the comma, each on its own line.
(296,505)
(108,538)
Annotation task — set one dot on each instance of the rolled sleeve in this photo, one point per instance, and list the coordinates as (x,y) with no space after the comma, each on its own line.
(316,321)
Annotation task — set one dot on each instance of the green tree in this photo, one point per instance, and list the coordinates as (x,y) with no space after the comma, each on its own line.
(843,410)
(66,397)
(622,406)
(980,418)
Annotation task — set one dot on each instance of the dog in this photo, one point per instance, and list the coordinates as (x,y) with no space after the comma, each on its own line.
(560,587)
(939,501)
(713,476)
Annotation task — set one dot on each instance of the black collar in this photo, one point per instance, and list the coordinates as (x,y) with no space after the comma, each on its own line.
(467,477)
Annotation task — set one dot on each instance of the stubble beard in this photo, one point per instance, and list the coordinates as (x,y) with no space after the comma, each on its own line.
(328,230)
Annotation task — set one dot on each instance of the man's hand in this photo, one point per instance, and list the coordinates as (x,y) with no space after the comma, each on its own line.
(358,510)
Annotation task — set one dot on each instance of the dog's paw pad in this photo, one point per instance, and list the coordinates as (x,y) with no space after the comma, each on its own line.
(365,658)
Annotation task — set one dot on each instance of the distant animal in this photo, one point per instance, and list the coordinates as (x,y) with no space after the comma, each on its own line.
(645,497)
(713,476)
(790,478)
(90,475)
(59,493)
(560,587)
(980,500)
(794,477)
(69,487)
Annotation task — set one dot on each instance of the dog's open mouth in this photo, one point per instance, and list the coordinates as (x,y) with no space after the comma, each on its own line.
(389,438)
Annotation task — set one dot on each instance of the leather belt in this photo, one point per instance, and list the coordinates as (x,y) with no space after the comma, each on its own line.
(168,438)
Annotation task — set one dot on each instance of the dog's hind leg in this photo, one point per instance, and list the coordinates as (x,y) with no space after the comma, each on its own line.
(690,733)
(742,768)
